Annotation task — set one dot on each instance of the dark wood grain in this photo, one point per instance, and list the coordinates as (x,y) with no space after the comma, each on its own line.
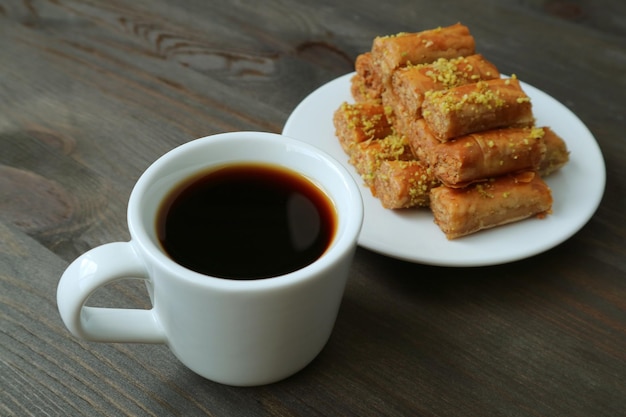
(91,92)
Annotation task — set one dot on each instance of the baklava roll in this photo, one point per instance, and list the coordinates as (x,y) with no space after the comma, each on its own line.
(359,90)
(410,83)
(394,51)
(403,184)
(421,140)
(557,154)
(475,107)
(394,108)
(357,122)
(367,156)
(463,211)
(477,156)
(365,85)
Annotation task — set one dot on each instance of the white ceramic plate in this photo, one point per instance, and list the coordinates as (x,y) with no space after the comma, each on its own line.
(411,234)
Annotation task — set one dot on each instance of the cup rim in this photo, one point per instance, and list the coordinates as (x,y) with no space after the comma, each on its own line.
(342,245)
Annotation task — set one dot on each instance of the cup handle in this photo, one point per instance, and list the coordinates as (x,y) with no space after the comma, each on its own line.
(92,270)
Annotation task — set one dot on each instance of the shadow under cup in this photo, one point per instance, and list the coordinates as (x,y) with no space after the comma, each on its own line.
(246,332)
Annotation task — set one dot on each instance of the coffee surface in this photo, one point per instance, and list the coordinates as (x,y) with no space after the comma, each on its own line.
(246,222)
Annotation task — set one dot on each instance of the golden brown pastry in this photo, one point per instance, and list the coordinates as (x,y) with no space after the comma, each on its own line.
(487,154)
(462,211)
(474,107)
(557,154)
(435,126)
(358,122)
(410,83)
(367,156)
(403,184)
(365,85)
(420,138)
(394,51)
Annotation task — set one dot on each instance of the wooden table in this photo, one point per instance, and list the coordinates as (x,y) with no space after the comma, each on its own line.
(91,92)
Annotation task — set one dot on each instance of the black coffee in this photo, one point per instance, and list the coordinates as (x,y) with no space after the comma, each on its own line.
(246,222)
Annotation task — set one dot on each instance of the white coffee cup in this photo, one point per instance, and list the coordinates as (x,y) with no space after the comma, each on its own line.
(236,332)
